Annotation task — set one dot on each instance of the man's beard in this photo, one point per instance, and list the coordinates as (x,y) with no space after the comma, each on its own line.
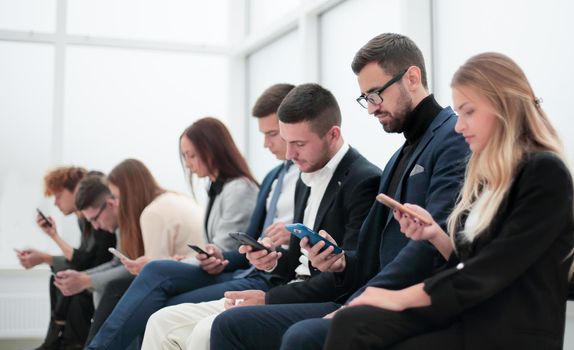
(400,116)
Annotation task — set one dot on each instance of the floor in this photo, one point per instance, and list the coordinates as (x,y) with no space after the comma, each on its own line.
(19,344)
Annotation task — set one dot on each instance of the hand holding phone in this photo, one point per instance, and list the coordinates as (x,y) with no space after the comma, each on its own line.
(393,204)
(246,239)
(47,222)
(117,253)
(199,250)
(301,231)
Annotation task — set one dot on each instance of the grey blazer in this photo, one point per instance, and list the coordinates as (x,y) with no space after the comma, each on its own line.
(231,212)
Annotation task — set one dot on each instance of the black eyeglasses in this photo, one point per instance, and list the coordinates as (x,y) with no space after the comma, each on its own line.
(100,211)
(375,96)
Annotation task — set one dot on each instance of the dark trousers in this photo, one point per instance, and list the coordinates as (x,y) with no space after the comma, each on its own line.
(263,326)
(367,327)
(112,294)
(75,311)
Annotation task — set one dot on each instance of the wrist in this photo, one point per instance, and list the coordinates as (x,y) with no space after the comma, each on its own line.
(341,266)
(48,259)
(272,268)
(87,281)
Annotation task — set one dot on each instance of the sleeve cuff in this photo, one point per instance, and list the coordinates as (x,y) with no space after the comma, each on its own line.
(59,263)
(273,268)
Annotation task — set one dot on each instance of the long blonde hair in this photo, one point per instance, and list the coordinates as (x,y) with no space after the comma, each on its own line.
(521,127)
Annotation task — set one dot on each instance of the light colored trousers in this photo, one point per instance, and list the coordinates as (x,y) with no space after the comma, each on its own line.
(183,326)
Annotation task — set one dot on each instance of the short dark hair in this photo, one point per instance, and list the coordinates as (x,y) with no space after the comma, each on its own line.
(311,103)
(393,52)
(90,191)
(268,102)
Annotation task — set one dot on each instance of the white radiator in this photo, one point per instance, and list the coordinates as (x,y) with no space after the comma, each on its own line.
(24,315)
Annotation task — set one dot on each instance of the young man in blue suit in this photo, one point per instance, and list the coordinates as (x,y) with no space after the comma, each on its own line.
(145,296)
(427,170)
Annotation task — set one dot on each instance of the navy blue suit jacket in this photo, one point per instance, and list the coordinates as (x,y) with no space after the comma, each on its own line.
(432,179)
(255,228)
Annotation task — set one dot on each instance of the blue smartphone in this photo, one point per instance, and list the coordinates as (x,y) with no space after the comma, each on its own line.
(300,231)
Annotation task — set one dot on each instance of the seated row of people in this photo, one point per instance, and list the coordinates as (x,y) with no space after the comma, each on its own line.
(150,223)
(472,278)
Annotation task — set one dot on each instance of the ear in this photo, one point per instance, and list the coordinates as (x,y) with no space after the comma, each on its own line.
(335,133)
(413,78)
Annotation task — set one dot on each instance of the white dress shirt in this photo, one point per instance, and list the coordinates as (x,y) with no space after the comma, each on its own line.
(318,182)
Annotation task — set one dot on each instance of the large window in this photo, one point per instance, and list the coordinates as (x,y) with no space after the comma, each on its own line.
(26,87)
(276,63)
(92,83)
(361,130)
(166,20)
(536,36)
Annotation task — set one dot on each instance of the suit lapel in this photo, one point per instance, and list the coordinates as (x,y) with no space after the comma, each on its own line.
(334,186)
(302,193)
(425,140)
(391,165)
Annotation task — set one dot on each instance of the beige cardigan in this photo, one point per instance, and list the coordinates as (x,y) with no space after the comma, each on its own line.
(168,223)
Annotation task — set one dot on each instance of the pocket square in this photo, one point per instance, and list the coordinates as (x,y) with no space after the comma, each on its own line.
(417,170)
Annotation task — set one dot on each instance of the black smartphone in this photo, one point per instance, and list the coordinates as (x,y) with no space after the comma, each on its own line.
(199,250)
(246,239)
(47,222)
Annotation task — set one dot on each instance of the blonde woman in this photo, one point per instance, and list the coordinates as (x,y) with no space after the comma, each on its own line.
(511,234)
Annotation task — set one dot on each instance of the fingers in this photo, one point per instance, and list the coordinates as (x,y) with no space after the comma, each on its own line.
(201,257)
(333,262)
(256,255)
(235,294)
(278,234)
(210,263)
(229,303)
(214,251)
(244,249)
(265,261)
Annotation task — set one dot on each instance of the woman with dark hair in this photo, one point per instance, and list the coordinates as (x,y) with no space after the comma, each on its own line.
(206,150)
(154,223)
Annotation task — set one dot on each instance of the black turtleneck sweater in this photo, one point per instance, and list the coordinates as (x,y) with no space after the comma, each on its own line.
(416,124)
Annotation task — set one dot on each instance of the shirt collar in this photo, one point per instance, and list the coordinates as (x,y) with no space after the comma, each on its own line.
(311,179)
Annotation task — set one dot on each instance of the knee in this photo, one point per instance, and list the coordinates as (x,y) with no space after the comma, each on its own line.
(303,335)
(155,268)
(223,324)
(154,321)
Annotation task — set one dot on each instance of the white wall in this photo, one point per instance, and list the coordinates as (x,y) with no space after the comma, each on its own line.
(361,130)
(276,63)
(536,34)
(129,79)
(93,83)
